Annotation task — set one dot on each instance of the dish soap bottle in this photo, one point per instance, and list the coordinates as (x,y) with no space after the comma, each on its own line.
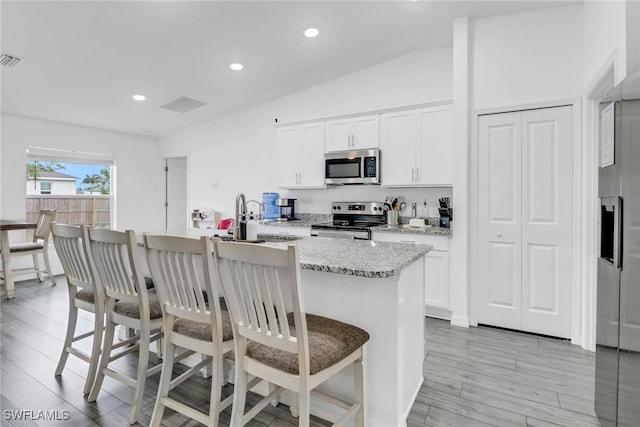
(242,228)
(425,213)
(252,228)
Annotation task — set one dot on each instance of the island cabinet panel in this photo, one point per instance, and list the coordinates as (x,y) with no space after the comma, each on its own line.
(300,156)
(355,133)
(436,269)
(390,309)
(416,147)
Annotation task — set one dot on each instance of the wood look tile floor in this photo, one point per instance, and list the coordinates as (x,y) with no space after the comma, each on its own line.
(472,377)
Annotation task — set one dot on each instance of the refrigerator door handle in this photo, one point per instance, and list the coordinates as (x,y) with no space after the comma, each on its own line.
(617,235)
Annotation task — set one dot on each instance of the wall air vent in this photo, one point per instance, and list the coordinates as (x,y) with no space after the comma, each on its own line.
(183,104)
(10,61)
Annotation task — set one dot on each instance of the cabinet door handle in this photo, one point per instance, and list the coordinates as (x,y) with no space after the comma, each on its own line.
(413,174)
(417,174)
(300,177)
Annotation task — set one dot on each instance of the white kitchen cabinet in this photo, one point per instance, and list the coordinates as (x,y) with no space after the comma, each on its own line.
(416,147)
(300,156)
(436,269)
(355,133)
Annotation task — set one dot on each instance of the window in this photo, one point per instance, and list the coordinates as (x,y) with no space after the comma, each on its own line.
(78,185)
(45,188)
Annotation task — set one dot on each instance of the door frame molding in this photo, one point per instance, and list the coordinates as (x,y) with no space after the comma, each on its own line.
(578,321)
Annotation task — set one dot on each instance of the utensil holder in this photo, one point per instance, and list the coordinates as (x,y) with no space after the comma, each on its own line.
(392,217)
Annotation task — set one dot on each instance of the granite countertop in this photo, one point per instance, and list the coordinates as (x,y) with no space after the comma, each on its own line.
(363,258)
(403,228)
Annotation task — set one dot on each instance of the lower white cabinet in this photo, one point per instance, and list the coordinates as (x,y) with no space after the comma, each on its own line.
(436,266)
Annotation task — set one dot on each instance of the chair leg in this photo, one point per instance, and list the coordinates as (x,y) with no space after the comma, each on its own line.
(165,382)
(68,340)
(141,377)
(358,372)
(304,416)
(36,265)
(47,264)
(239,394)
(96,348)
(104,360)
(216,388)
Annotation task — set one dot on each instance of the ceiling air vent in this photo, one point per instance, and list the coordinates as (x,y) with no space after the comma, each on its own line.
(10,61)
(183,104)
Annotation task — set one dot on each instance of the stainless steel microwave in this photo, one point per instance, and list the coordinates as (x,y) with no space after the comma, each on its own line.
(352,167)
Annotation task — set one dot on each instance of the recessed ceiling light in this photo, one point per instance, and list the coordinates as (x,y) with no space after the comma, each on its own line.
(311,32)
(139,97)
(236,67)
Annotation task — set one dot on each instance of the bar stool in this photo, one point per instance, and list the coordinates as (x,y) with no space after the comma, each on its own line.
(195,320)
(115,261)
(275,340)
(85,293)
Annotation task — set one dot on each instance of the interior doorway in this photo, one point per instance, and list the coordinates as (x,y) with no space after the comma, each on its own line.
(175,204)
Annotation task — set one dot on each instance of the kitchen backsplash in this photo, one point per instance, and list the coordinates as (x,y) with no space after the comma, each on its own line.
(319,201)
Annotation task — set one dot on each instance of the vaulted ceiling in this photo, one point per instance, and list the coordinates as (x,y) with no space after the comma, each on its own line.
(83,60)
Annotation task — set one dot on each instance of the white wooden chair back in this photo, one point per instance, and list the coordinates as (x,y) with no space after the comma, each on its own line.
(185,279)
(262,284)
(115,258)
(68,241)
(43,229)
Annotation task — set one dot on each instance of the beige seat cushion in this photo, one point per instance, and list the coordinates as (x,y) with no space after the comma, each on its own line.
(202,331)
(130,309)
(330,341)
(85,295)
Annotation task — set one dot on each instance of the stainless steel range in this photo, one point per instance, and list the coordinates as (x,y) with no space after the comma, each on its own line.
(352,220)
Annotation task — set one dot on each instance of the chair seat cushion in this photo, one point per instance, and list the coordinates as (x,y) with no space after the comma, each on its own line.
(330,341)
(24,247)
(85,295)
(130,309)
(202,331)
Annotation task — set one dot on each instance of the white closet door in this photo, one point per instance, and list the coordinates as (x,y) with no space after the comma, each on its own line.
(547,215)
(500,227)
(525,213)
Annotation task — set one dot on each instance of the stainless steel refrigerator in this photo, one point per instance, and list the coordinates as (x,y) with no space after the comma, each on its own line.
(617,379)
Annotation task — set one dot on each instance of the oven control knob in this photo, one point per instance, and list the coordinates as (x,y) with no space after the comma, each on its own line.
(339,207)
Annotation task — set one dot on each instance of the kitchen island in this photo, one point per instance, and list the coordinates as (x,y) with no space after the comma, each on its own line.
(377,286)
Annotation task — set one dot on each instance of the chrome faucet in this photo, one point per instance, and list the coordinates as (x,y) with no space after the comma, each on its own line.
(260,216)
(241,209)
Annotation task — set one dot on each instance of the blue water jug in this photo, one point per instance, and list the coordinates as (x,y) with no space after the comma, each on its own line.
(271,211)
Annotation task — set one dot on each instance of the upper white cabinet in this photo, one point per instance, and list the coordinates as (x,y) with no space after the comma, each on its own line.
(416,147)
(353,133)
(300,156)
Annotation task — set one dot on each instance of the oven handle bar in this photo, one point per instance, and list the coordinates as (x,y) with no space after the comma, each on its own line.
(342,234)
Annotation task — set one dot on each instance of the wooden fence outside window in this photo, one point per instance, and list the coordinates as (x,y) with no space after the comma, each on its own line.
(91,210)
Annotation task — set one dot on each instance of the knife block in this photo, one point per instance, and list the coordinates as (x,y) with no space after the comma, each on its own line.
(446,216)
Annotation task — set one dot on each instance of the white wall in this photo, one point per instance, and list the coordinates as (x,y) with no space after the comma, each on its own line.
(237,153)
(136,185)
(527,58)
(604,40)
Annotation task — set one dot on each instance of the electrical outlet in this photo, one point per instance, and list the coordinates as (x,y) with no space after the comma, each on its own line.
(214,185)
